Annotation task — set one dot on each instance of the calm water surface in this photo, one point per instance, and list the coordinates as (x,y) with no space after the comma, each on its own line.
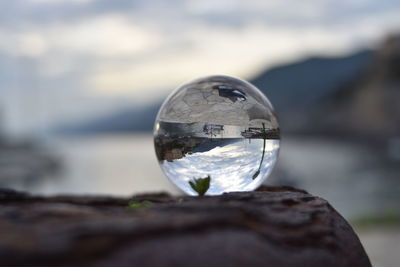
(351,177)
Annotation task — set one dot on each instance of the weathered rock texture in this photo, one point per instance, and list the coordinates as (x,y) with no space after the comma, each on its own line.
(274,227)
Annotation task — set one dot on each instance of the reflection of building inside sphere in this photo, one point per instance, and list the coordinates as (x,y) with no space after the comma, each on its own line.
(213,129)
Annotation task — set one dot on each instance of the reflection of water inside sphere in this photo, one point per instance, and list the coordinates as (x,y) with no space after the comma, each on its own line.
(216,134)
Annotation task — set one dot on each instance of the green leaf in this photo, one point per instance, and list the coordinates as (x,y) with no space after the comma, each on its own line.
(139,204)
(200,185)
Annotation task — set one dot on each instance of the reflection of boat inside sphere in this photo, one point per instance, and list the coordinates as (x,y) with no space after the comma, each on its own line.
(220,130)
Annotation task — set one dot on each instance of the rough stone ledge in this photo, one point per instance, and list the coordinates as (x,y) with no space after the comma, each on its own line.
(275,226)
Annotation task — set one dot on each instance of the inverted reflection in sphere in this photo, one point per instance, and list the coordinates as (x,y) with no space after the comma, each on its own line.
(216,134)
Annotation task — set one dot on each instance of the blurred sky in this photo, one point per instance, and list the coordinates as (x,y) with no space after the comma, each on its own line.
(64,61)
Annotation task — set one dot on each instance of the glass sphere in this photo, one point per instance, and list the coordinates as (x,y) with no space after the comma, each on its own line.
(216,134)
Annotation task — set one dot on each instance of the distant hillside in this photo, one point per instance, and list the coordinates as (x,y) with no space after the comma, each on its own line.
(294,89)
(368,106)
(128,120)
(306,81)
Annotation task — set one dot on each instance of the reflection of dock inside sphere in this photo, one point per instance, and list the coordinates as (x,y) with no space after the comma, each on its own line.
(175,140)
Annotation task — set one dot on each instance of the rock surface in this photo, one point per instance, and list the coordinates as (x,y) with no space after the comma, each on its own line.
(277,226)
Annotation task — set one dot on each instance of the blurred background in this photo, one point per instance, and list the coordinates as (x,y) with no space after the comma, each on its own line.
(82,80)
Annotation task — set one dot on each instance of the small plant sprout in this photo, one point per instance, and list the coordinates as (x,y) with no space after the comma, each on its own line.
(139,204)
(200,185)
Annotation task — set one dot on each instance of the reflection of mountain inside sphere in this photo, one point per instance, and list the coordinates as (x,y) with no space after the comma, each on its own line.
(218,127)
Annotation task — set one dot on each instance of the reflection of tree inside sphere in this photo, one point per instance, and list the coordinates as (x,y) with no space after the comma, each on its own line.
(216,134)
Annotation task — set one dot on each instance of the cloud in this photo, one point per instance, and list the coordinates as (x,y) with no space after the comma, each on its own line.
(87,51)
(110,35)
(104,36)
(219,50)
(232,13)
(59,1)
(28,43)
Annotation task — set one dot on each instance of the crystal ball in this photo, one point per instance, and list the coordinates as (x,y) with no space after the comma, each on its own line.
(216,134)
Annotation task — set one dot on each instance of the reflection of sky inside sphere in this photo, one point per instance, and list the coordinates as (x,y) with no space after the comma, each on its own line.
(231,167)
(219,100)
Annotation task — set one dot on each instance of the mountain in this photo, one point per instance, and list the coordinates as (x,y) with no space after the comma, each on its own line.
(368,106)
(127,120)
(304,82)
(296,90)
